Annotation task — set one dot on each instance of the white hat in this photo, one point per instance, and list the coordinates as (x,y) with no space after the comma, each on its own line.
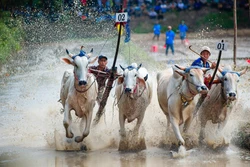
(205,48)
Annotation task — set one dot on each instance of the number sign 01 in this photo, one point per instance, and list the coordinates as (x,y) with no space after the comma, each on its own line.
(121,17)
(221,46)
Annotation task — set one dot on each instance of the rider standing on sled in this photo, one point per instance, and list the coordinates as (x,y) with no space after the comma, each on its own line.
(101,72)
(203,62)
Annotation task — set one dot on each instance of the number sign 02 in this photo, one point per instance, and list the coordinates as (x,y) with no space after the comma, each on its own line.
(221,46)
(121,17)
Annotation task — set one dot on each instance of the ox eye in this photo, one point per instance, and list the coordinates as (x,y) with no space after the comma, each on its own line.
(225,79)
(135,75)
(191,75)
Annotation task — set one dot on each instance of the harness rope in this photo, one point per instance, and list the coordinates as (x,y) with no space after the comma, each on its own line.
(85,90)
(133,93)
(184,100)
(103,46)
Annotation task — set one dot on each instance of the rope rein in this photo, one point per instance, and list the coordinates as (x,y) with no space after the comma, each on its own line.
(133,93)
(85,90)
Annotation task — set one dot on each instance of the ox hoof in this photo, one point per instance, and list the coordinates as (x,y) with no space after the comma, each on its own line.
(181,144)
(84,148)
(79,139)
(122,134)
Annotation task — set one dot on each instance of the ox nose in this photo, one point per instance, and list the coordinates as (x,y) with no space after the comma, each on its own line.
(82,83)
(232,94)
(127,90)
(204,88)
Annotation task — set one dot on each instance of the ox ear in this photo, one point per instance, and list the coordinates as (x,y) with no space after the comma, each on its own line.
(141,82)
(68,61)
(120,80)
(243,71)
(178,71)
(181,73)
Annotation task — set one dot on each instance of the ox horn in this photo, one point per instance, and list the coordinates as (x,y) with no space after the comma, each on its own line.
(243,71)
(90,53)
(122,68)
(179,67)
(70,55)
(205,69)
(139,66)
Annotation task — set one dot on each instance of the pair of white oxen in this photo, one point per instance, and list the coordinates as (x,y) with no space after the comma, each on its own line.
(176,90)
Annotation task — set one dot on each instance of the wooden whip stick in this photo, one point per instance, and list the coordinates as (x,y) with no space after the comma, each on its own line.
(198,54)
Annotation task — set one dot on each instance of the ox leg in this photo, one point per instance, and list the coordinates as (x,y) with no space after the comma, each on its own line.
(86,131)
(202,132)
(168,119)
(175,126)
(187,124)
(224,117)
(67,122)
(122,125)
(138,124)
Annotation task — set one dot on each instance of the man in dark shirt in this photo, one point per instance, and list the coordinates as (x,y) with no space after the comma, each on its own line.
(101,72)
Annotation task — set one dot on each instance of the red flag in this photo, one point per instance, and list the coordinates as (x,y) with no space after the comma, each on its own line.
(248,61)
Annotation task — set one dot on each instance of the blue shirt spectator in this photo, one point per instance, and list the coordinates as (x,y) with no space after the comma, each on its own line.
(157,31)
(170,40)
(170,36)
(182,29)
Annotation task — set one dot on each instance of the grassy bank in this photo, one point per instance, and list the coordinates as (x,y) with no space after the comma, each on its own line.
(11,34)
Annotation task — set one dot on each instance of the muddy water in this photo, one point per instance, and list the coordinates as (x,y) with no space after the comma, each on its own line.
(31,126)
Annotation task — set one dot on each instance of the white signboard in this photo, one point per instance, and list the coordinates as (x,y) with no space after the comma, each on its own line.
(121,17)
(221,46)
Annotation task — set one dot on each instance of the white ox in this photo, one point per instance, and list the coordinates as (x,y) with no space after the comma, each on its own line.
(134,94)
(78,93)
(220,101)
(176,90)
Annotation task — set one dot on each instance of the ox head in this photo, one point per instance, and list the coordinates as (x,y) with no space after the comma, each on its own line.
(80,63)
(194,77)
(131,79)
(229,80)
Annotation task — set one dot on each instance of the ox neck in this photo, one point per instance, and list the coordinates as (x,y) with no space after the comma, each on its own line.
(186,90)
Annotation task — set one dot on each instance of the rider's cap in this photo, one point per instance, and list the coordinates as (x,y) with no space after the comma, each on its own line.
(205,48)
(102,56)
